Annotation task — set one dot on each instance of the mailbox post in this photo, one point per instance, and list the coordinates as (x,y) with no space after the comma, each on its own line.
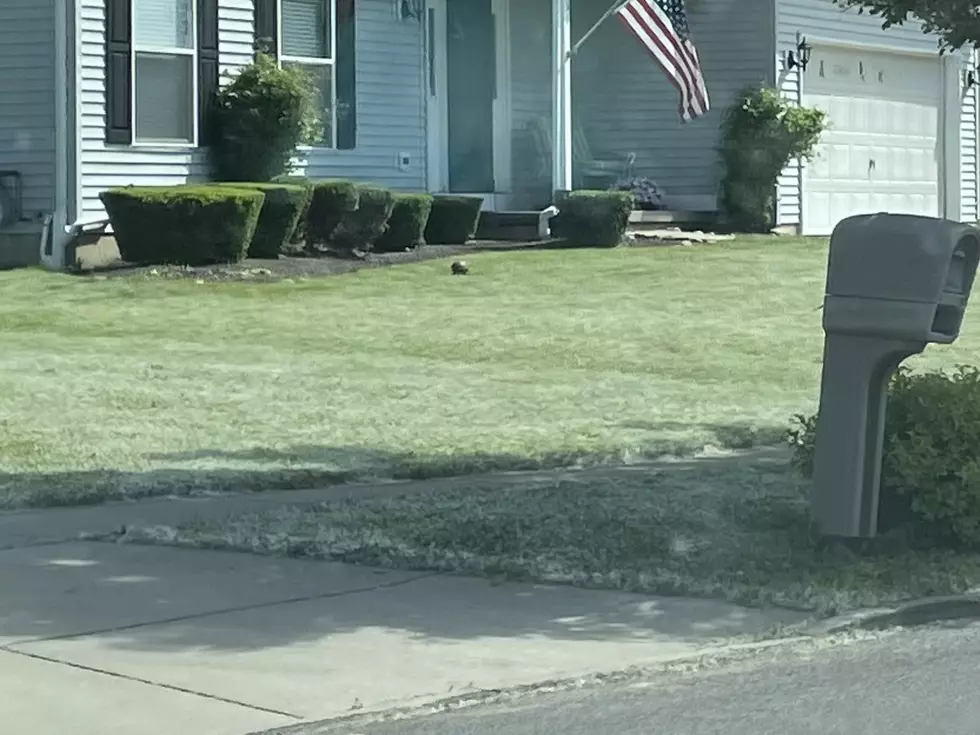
(894,284)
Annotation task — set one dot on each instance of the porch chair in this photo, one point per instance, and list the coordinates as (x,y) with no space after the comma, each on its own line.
(588,171)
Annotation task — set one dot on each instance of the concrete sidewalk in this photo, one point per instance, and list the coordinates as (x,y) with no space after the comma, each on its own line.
(99,638)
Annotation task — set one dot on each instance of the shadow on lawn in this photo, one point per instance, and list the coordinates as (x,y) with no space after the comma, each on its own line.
(162,600)
(266,469)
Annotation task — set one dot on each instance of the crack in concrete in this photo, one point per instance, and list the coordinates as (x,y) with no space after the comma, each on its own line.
(150,682)
(42,542)
(15,648)
(222,611)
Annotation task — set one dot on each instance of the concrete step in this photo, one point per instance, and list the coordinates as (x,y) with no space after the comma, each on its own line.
(641,220)
(517,226)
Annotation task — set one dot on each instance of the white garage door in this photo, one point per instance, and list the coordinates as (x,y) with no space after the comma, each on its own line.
(883,151)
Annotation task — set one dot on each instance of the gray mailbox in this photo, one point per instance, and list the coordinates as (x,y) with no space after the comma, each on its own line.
(894,284)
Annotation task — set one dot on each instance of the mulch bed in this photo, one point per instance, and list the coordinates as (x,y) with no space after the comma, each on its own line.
(304,266)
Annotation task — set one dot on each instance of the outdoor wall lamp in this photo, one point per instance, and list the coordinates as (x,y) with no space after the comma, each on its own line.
(801,56)
(412,9)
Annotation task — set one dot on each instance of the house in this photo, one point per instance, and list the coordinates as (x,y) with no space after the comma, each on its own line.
(460,95)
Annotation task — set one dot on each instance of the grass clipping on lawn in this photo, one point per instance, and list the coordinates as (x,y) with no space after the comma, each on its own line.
(727,528)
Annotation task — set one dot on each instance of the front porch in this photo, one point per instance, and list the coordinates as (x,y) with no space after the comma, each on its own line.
(493,100)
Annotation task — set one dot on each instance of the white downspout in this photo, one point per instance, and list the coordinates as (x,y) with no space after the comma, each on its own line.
(561,108)
(544,222)
(55,228)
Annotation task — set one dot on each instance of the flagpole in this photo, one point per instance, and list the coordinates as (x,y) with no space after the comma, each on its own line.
(606,16)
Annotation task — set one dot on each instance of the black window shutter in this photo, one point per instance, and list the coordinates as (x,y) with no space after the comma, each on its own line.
(267,27)
(118,75)
(346,71)
(207,66)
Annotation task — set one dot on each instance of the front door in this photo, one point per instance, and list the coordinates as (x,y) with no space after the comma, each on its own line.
(467,118)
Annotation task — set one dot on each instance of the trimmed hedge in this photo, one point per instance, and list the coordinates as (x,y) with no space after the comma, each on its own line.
(361,228)
(183,225)
(593,218)
(284,205)
(298,238)
(453,219)
(406,226)
(330,203)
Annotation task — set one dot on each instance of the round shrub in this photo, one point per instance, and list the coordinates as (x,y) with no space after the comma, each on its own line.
(183,225)
(361,228)
(284,205)
(260,118)
(452,219)
(593,218)
(930,475)
(406,226)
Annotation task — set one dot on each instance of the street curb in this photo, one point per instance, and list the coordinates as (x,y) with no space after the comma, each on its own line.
(720,655)
(911,614)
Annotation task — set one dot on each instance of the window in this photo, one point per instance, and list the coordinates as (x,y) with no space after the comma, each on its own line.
(164,76)
(307,41)
(320,37)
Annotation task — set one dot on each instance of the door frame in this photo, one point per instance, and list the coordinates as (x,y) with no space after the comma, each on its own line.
(437,104)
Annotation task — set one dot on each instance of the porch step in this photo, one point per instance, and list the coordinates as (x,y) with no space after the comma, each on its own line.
(515,226)
(641,220)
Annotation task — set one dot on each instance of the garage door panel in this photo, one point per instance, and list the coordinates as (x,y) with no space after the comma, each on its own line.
(876,74)
(883,149)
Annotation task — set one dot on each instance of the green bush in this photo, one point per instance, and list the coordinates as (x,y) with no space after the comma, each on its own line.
(452,219)
(593,218)
(361,228)
(298,238)
(761,134)
(185,225)
(931,468)
(406,227)
(284,205)
(330,203)
(260,117)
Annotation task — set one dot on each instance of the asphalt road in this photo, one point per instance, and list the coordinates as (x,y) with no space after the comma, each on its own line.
(901,683)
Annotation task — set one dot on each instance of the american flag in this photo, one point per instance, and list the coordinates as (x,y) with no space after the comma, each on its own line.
(661,26)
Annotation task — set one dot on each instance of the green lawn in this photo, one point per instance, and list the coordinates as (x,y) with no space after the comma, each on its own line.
(132,386)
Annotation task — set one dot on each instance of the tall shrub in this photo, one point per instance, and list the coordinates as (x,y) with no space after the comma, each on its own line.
(761,134)
(260,118)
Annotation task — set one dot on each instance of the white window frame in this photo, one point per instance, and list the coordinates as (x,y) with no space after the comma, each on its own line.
(330,61)
(136,49)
